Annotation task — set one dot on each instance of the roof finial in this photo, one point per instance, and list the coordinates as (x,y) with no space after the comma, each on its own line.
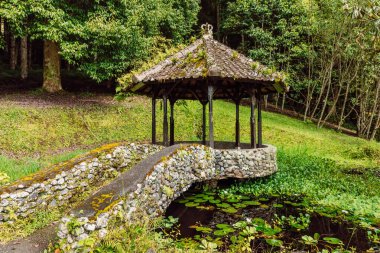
(207,29)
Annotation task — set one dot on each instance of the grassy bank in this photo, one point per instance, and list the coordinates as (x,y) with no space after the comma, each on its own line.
(33,137)
(322,182)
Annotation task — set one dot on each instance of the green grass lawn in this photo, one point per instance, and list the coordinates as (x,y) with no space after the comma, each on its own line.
(33,137)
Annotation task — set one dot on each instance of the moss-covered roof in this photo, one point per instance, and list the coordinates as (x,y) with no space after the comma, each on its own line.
(208,59)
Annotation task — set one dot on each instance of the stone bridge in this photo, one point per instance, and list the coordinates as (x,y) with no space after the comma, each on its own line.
(139,179)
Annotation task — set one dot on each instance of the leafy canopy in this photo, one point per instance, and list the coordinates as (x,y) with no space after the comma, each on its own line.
(103,38)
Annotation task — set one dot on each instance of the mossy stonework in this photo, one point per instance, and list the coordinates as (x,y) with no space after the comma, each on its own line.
(63,185)
(165,181)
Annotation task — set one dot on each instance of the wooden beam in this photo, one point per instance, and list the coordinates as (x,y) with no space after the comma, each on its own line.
(237,119)
(154,119)
(252,121)
(259,120)
(172,102)
(210,93)
(237,124)
(165,123)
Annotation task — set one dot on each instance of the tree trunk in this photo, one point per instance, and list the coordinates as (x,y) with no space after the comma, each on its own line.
(12,52)
(377,125)
(6,37)
(283,101)
(24,57)
(30,54)
(218,21)
(277,98)
(374,109)
(52,68)
(266,101)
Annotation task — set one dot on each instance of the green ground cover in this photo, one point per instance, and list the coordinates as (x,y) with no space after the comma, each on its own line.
(329,168)
(34,137)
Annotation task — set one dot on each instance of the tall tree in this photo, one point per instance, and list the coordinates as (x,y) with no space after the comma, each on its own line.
(101,38)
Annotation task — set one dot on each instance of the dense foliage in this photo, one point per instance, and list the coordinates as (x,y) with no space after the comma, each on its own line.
(102,38)
(331,49)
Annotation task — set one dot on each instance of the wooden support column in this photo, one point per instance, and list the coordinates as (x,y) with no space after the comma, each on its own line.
(237,124)
(252,121)
(211,119)
(154,119)
(165,127)
(259,120)
(204,123)
(172,102)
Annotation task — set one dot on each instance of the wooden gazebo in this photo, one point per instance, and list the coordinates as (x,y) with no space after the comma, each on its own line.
(204,71)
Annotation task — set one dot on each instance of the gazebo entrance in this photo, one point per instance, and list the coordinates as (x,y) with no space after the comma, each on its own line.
(204,71)
(168,124)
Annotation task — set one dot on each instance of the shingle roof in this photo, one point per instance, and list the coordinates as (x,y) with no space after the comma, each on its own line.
(207,58)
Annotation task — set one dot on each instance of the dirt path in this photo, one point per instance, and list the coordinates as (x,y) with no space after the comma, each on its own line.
(35,243)
(38,99)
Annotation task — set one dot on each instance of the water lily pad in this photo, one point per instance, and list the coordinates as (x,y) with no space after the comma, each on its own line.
(229,210)
(278,205)
(239,205)
(233,200)
(252,203)
(214,201)
(200,200)
(208,208)
(223,205)
(191,204)
(263,199)
(264,206)
(183,201)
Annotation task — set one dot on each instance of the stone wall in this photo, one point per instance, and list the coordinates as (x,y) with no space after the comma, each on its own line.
(169,178)
(61,188)
(245,163)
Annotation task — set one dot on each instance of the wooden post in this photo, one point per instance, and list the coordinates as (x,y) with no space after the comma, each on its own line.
(154,119)
(172,102)
(252,121)
(237,125)
(259,120)
(211,120)
(165,128)
(204,123)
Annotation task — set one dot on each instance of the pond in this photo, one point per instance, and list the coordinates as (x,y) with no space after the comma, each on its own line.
(240,223)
